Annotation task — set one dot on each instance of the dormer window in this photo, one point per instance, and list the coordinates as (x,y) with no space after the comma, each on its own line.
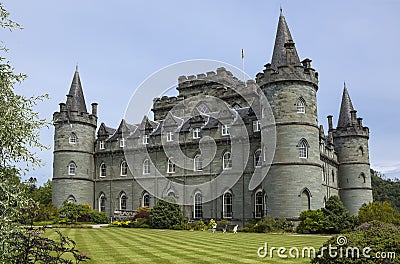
(256,126)
(72,138)
(101,144)
(122,143)
(225,130)
(196,133)
(145,139)
(170,136)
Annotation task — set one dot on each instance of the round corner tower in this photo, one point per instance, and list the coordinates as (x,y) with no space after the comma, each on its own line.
(74,138)
(293,183)
(351,144)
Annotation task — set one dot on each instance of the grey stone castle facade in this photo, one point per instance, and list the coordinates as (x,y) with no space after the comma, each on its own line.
(309,165)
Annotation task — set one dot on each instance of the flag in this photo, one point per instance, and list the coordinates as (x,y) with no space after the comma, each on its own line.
(242,54)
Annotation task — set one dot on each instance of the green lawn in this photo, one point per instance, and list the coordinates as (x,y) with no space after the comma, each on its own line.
(136,245)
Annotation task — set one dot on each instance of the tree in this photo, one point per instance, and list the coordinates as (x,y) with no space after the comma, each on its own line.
(19,138)
(385,189)
(312,221)
(165,215)
(378,211)
(336,217)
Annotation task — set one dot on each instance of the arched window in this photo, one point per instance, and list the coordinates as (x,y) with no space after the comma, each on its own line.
(71,199)
(227,205)
(305,200)
(103,170)
(257,158)
(122,143)
(71,168)
(146,199)
(171,166)
(198,163)
(123,201)
(124,168)
(198,206)
(361,151)
(227,161)
(203,108)
(259,204)
(362,177)
(72,138)
(301,105)
(102,203)
(303,148)
(146,166)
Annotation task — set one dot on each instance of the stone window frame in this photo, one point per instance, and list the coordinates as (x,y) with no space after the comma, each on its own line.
(225,130)
(170,136)
(146,199)
(122,143)
(362,177)
(227,204)
(227,162)
(257,158)
(256,126)
(71,199)
(302,147)
(123,201)
(124,168)
(145,139)
(198,163)
(72,169)
(102,202)
(196,133)
(171,168)
(72,138)
(257,204)
(301,106)
(102,145)
(103,170)
(146,167)
(197,205)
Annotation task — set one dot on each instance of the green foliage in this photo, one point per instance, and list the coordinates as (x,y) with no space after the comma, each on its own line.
(211,224)
(378,211)
(73,213)
(312,221)
(165,215)
(380,237)
(266,225)
(385,190)
(336,217)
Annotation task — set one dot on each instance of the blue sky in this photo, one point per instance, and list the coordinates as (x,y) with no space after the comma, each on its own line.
(118,44)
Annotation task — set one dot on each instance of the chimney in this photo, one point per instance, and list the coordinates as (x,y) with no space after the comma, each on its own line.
(94,109)
(62,107)
(359,122)
(353,114)
(330,123)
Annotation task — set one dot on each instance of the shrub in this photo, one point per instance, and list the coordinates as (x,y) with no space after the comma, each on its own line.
(378,211)
(285,225)
(336,217)
(312,221)
(98,217)
(165,215)
(143,212)
(211,224)
(380,237)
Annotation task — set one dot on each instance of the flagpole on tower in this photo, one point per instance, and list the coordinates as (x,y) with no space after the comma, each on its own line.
(244,75)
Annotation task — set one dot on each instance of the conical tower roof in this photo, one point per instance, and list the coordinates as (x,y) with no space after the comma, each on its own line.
(279,56)
(76,100)
(345,109)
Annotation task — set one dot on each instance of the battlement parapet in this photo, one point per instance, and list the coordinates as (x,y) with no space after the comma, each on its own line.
(351,131)
(73,116)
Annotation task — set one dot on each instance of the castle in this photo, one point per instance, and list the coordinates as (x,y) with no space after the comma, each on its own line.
(308,166)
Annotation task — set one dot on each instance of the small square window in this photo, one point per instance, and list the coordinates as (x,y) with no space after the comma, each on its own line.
(122,143)
(256,126)
(145,139)
(196,133)
(225,130)
(170,137)
(101,144)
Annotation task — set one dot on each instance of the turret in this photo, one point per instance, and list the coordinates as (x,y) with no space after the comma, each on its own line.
(290,86)
(351,144)
(74,139)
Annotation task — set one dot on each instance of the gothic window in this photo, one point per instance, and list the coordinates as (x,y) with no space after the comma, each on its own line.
(259,204)
(124,168)
(303,148)
(305,200)
(170,136)
(103,170)
(72,138)
(227,161)
(146,200)
(72,168)
(227,205)
(198,206)
(102,203)
(122,143)
(146,166)
(225,130)
(256,126)
(171,166)
(203,108)
(123,201)
(361,151)
(145,139)
(196,133)
(362,178)
(257,158)
(301,106)
(71,199)
(198,163)
(101,144)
